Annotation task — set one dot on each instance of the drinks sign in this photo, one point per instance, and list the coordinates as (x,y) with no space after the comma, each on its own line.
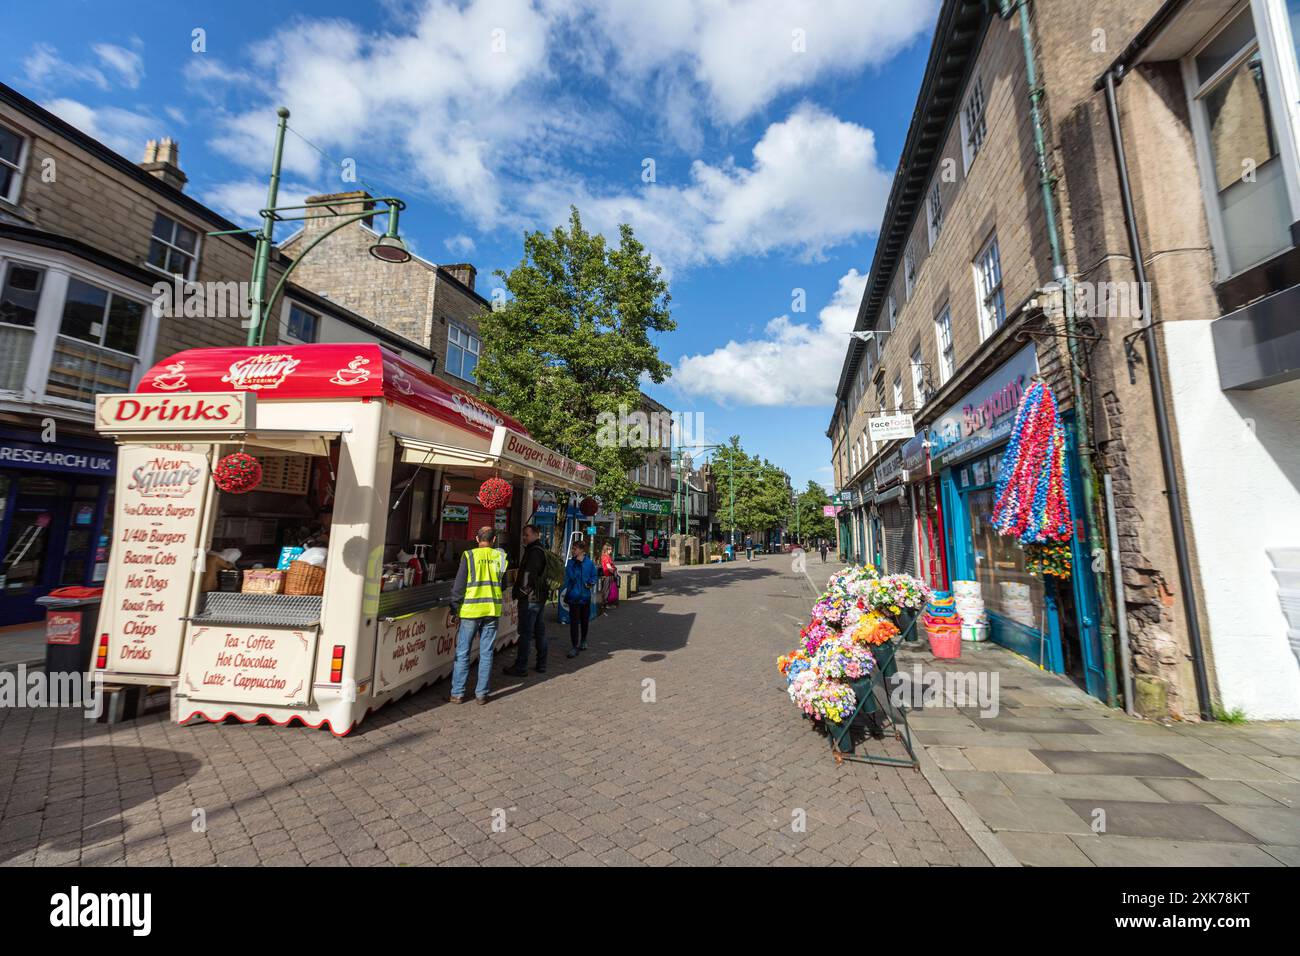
(250,665)
(178,411)
(161,490)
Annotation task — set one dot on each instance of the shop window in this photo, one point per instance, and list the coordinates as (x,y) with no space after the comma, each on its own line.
(943,339)
(99,338)
(1238,146)
(19,297)
(988,288)
(173,248)
(462,353)
(1008,589)
(303,325)
(12,150)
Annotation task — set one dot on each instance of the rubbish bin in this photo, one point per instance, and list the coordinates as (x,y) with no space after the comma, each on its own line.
(70,624)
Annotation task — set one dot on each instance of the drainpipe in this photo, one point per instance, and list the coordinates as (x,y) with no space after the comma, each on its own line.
(1082,418)
(1174,496)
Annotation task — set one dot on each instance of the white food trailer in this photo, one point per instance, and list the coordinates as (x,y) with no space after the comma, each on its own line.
(363,453)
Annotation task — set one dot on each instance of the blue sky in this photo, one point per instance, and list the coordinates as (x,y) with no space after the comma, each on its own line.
(773,127)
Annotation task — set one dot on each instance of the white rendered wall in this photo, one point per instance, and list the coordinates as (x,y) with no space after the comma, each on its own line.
(1241,458)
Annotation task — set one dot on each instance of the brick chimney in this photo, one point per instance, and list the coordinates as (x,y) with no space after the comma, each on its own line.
(162,160)
(464,273)
(345,203)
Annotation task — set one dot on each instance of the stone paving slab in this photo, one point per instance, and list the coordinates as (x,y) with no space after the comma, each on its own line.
(1141,851)
(1278,825)
(1160,821)
(1114,764)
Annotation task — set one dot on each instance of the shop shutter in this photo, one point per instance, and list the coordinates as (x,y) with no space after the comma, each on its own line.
(900,553)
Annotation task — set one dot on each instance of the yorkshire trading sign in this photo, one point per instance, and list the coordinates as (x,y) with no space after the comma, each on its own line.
(188,411)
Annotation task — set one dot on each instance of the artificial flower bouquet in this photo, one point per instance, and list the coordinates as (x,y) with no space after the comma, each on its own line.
(896,593)
(793,664)
(813,633)
(874,630)
(822,698)
(844,659)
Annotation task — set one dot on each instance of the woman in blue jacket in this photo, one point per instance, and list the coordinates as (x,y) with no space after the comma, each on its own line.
(579,579)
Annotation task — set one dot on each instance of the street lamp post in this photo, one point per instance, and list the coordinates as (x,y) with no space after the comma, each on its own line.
(388,248)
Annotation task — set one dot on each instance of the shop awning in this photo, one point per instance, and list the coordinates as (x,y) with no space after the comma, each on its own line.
(290,441)
(511,452)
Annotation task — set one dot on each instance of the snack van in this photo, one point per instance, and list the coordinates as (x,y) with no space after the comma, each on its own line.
(359,458)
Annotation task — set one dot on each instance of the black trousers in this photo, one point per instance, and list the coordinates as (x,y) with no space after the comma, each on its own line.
(578,621)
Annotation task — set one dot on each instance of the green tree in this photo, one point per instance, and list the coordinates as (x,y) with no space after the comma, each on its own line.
(813,522)
(573,341)
(762,490)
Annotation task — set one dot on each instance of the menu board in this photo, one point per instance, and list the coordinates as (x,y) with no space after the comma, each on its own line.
(425,643)
(249,665)
(285,474)
(161,490)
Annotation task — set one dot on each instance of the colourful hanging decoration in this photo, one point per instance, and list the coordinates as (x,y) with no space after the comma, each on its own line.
(1033,488)
(237,474)
(495,493)
(1050,560)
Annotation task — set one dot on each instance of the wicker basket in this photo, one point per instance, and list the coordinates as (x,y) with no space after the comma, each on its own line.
(304,578)
(263,581)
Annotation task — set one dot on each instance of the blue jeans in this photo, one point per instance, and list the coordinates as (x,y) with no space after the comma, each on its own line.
(532,628)
(486,628)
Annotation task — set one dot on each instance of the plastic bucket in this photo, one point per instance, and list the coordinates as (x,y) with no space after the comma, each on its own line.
(945,642)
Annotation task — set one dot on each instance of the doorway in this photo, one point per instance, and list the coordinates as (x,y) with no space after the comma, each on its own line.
(35,543)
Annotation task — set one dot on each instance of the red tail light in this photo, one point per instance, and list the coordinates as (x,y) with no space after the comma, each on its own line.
(101,655)
(336,665)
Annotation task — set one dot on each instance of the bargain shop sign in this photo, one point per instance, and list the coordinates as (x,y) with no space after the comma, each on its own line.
(983,418)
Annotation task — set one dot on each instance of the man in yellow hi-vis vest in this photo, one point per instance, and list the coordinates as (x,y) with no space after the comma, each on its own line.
(476,598)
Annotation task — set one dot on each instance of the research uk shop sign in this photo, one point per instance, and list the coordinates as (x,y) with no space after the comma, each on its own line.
(216,412)
(54,457)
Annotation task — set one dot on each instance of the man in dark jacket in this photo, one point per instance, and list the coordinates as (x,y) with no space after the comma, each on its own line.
(530,591)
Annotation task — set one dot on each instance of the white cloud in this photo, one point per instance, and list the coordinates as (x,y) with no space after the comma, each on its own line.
(813,181)
(459,245)
(241,200)
(127,64)
(482,106)
(122,130)
(45,69)
(793,363)
(742,54)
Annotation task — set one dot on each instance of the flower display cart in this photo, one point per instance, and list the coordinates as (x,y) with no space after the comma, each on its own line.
(839,675)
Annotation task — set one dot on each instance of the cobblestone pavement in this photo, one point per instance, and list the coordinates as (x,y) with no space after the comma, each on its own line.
(581,769)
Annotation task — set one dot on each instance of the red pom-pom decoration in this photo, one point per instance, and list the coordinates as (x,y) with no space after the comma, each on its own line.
(237,474)
(588,507)
(495,493)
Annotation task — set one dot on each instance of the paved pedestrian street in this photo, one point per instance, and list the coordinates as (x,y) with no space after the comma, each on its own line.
(670,741)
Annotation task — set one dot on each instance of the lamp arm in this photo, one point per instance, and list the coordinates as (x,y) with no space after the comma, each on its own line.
(269,308)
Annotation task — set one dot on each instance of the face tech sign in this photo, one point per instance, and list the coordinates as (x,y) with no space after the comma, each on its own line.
(179,411)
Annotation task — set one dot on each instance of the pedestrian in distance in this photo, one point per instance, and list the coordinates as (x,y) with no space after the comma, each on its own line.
(579,579)
(749,549)
(476,603)
(824,549)
(530,591)
(609,570)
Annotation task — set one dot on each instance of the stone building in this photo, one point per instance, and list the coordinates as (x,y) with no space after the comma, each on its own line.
(433,305)
(93,249)
(1001,262)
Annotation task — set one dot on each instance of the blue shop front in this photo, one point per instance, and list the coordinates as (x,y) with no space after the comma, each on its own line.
(1049,620)
(55,514)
